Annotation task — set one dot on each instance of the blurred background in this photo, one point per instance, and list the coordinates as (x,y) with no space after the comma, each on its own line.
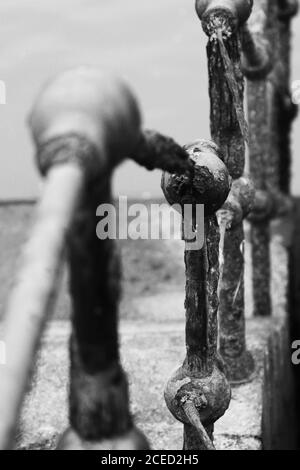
(159,47)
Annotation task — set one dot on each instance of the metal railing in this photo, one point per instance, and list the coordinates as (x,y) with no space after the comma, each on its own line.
(83,125)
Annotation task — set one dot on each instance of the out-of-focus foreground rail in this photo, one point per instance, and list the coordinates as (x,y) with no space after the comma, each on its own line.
(84,124)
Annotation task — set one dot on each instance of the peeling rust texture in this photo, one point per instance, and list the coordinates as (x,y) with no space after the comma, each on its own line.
(232,339)
(202,361)
(226,132)
(200,384)
(156,151)
(201,302)
(225,129)
(192,440)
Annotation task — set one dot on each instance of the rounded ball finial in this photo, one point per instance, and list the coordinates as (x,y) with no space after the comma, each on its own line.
(236,11)
(87,102)
(210,394)
(210,183)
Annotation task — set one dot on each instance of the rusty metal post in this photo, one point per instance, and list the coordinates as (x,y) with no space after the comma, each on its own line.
(198,393)
(288,111)
(259,88)
(222,20)
(271,112)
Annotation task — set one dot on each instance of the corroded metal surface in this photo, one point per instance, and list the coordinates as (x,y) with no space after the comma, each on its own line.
(259,129)
(228,131)
(225,129)
(99,403)
(287,109)
(198,393)
(271,113)
(156,151)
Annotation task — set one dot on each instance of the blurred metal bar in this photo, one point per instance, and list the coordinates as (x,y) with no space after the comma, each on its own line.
(270,112)
(259,95)
(32,298)
(83,125)
(287,109)
(258,58)
(104,112)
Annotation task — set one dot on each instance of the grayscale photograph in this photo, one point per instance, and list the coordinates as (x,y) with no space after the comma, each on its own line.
(149,228)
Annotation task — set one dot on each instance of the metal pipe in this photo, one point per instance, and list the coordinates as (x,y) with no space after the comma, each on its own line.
(32,299)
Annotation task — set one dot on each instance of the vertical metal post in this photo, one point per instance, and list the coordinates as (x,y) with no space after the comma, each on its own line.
(271,112)
(221,21)
(287,9)
(259,28)
(198,393)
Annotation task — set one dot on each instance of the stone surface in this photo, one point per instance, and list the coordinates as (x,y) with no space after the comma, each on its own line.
(149,352)
(152,333)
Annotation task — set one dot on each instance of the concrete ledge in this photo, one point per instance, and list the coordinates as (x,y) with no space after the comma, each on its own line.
(149,355)
(262,412)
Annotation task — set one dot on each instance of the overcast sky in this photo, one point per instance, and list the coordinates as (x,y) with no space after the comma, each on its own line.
(158,46)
